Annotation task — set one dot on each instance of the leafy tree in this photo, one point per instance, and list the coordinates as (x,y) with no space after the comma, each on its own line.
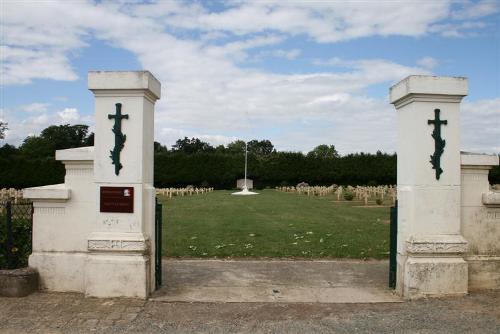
(57,137)
(260,148)
(89,141)
(323,152)
(193,145)
(37,147)
(3,128)
(220,149)
(66,136)
(8,150)
(236,147)
(159,148)
(256,147)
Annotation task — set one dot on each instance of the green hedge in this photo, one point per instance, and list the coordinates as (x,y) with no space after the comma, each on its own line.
(221,170)
(18,171)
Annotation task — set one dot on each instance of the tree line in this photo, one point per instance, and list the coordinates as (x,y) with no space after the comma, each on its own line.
(191,161)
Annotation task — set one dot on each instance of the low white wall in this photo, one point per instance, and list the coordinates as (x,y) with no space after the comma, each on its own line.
(480,221)
(63,218)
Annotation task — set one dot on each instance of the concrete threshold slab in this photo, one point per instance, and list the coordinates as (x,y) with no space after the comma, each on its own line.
(263,281)
(287,294)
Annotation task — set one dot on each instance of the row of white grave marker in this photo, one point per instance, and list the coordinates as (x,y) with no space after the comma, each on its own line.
(382,192)
(360,192)
(309,191)
(16,195)
(170,192)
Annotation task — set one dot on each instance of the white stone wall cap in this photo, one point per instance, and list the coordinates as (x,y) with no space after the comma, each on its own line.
(478,159)
(491,198)
(50,192)
(124,80)
(428,85)
(76,154)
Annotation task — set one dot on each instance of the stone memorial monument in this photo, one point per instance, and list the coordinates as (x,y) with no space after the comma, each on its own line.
(240,183)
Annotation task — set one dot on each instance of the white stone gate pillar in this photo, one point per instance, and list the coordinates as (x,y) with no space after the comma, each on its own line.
(121,246)
(430,245)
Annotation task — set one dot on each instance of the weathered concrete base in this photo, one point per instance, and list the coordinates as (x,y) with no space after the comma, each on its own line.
(59,271)
(18,282)
(484,272)
(276,281)
(120,275)
(434,276)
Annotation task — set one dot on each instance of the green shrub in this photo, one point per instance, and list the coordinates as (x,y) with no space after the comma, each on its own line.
(21,247)
(348,196)
(379,201)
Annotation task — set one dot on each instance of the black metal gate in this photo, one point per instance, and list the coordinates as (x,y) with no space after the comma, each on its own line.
(393,250)
(158,232)
(16,223)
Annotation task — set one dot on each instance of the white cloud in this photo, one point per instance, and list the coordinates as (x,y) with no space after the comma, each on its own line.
(279,53)
(31,119)
(461,29)
(323,21)
(481,126)
(428,62)
(197,55)
(35,107)
(472,10)
(236,50)
(22,65)
(39,37)
(69,115)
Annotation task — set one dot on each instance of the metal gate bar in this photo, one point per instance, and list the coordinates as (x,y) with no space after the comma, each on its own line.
(158,243)
(393,249)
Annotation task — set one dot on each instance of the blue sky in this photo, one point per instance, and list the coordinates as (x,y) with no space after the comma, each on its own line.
(298,73)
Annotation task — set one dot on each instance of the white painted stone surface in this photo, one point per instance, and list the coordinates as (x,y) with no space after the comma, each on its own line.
(430,245)
(62,220)
(78,248)
(125,238)
(434,277)
(60,271)
(480,221)
(447,87)
(491,199)
(109,275)
(76,154)
(50,192)
(124,80)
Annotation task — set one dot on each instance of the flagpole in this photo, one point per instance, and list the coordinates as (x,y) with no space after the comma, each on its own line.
(245,191)
(246,161)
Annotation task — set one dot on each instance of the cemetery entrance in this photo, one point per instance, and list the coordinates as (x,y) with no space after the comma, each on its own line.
(275,246)
(96,233)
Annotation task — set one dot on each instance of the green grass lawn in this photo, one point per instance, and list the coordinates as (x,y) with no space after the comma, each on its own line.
(273,224)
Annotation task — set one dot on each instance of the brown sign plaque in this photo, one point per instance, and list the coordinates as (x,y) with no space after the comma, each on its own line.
(117,199)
